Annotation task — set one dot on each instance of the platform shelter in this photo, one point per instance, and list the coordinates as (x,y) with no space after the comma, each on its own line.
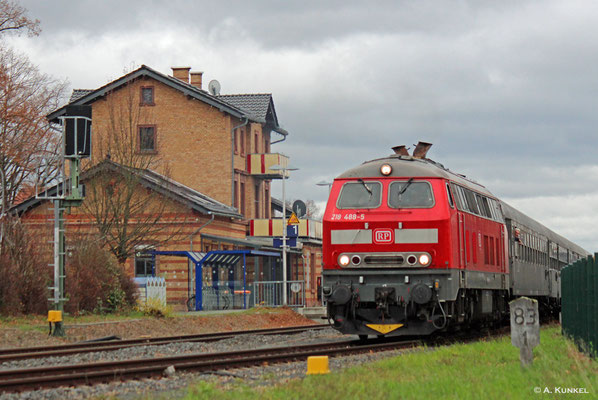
(217,260)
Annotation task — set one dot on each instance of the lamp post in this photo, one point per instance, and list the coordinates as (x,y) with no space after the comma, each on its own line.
(284,169)
(324,183)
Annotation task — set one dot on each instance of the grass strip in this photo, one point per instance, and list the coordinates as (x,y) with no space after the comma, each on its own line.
(482,370)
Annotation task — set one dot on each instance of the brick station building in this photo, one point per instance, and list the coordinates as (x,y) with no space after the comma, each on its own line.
(208,163)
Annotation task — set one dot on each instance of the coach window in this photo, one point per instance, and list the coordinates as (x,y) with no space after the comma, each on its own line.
(410,194)
(362,194)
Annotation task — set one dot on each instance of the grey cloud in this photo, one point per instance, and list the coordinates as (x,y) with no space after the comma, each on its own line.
(505,90)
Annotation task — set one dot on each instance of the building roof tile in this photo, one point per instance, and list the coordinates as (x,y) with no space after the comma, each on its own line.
(150,179)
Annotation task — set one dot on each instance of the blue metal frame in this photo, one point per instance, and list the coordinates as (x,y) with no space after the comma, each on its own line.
(199,268)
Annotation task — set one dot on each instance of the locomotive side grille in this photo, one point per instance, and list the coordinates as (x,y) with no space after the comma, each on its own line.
(385,260)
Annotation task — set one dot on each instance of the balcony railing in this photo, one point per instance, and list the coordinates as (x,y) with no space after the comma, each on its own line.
(308,228)
(260,164)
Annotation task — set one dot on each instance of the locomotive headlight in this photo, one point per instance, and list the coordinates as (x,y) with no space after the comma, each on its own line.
(343,260)
(385,169)
(424,259)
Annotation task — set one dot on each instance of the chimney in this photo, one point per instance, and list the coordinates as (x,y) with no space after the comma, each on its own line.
(421,149)
(181,73)
(196,79)
(401,150)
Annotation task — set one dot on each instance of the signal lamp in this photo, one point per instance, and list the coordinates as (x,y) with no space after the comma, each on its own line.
(424,259)
(386,169)
(355,260)
(411,259)
(343,260)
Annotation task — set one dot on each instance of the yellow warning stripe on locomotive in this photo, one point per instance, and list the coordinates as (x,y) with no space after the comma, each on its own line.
(384,329)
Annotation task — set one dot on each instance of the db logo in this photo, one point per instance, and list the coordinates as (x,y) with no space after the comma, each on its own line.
(382,236)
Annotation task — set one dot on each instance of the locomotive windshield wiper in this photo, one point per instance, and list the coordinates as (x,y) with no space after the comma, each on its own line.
(405,187)
(366,187)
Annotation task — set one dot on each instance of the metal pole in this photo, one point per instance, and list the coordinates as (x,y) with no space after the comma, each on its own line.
(59,251)
(284,240)
(56,254)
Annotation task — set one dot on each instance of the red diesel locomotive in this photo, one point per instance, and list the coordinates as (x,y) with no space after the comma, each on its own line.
(411,248)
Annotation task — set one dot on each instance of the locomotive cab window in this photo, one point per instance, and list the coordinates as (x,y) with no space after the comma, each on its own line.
(361,194)
(450,196)
(410,194)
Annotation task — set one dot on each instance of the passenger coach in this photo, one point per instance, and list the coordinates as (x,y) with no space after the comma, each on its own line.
(411,248)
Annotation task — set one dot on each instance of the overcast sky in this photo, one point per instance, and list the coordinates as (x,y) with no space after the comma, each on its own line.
(506,90)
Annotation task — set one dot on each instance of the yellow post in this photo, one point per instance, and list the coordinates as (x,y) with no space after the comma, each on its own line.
(54,316)
(317,365)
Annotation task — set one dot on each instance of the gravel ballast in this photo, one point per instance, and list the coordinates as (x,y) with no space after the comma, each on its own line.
(174,383)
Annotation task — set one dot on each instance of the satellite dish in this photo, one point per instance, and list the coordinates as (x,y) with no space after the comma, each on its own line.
(214,87)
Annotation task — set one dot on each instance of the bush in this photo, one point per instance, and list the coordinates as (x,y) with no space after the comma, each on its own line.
(95,282)
(155,308)
(25,275)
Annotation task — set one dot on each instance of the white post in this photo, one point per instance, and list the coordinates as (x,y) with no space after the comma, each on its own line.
(284,240)
(57,293)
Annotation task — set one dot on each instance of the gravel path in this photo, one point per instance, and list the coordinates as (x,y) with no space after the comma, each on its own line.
(175,385)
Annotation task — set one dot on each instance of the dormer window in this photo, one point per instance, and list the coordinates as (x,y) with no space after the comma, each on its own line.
(147,95)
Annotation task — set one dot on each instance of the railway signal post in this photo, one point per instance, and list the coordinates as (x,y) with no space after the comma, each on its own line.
(76,144)
(525,328)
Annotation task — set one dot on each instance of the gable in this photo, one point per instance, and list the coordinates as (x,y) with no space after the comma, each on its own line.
(85,97)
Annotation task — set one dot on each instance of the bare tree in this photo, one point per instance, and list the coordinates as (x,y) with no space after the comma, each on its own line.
(26,96)
(127,215)
(27,142)
(13,17)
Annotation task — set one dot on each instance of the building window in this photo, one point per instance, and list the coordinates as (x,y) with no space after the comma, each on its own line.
(236,144)
(144,265)
(312,266)
(267,201)
(256,143)
(267,145)
(242,193)
(147,95)
(257,200)
(147,139)
(236,192)
(242,144)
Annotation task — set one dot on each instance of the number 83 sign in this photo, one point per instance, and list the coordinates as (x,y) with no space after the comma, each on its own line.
(525,323)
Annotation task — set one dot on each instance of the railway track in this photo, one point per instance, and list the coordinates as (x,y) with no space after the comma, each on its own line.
(22,353)
(78,374)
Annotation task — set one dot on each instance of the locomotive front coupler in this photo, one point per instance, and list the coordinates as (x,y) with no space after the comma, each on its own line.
(384,298)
